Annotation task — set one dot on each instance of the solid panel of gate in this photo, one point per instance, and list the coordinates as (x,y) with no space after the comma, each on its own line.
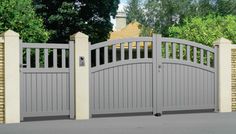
(188,74)
(121,76)
(46,80)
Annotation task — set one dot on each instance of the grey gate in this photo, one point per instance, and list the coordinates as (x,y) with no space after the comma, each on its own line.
(47,80)
(152,74)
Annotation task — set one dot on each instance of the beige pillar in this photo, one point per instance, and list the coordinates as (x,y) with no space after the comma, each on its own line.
(81,76)
(12,77)
(224,74)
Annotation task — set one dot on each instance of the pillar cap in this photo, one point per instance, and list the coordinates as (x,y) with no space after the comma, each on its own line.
(11,33)
(78,35)
(222,41)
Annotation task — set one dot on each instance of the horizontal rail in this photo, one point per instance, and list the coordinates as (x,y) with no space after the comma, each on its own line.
(119,111)
(45,45)
(189,63)
(186,42)
(112,42)
(120,63)
(45,70)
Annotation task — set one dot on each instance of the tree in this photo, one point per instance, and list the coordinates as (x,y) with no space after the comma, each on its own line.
(20,16)
(65,17)
(207,29)
(134,11)
(161,14)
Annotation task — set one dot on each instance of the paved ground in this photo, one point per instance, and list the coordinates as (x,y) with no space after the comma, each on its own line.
(203,123)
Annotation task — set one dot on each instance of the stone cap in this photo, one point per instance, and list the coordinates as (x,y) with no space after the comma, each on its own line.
(222,41)
(10,33)
(78,35)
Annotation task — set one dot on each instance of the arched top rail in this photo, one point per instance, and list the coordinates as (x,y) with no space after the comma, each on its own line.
(189,43)
(118,41)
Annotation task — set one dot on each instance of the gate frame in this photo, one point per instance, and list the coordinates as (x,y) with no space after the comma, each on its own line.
(70,46)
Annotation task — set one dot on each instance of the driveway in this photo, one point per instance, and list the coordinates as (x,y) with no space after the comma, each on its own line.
(201,123)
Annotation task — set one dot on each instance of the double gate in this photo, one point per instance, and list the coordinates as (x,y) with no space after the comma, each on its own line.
(152,74)
(47,80)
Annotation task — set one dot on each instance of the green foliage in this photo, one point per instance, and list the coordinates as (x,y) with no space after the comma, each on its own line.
(66,17)
(134,11)
(161,14)
(20,16)
(207,29)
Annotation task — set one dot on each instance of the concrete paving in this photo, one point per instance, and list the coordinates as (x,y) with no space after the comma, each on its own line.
(201,123)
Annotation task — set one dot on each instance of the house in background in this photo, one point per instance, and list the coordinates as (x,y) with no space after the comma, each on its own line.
(122,30)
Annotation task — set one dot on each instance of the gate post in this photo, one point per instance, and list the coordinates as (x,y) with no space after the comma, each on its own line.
(11,76)
(224,74)
(81,63)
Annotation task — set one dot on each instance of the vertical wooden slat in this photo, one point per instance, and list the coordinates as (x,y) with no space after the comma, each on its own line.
(130,92)
(138,49)
(39,92)
(208,59)
(101,90)
(111,88)
(134,86)
(106,89)
(97,57)
(167,50)
(28,57)
(63,58)
(120,88)
(114,53)
(37,58)
(195,55)
(45,58)
(138,85)
(126,92)
(173,50)
(181,51)
(44,92)
(188,53)
(122,50)
(116,88)
(145,49)
(202,60)
(106,54)
(54,58)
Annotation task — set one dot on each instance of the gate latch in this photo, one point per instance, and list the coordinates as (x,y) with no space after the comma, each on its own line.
(159,66)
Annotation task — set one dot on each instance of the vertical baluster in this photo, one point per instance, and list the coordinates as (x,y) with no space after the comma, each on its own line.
(37,58)
(122,51)
(28,57)
(181,51)
(130,51)
(114,53)
(97,57)
(45,58)
(188,53)
(106,55)
(208,58)
(167,50)
(202,60)
(63,58)
(145,49)
(21,54)
(173,50)
(54,58)
(138,50)
(195,54)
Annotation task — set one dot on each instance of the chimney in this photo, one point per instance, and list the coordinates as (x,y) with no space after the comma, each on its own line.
(120,20)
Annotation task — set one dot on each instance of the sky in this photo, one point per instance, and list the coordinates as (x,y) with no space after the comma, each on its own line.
(121,7)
